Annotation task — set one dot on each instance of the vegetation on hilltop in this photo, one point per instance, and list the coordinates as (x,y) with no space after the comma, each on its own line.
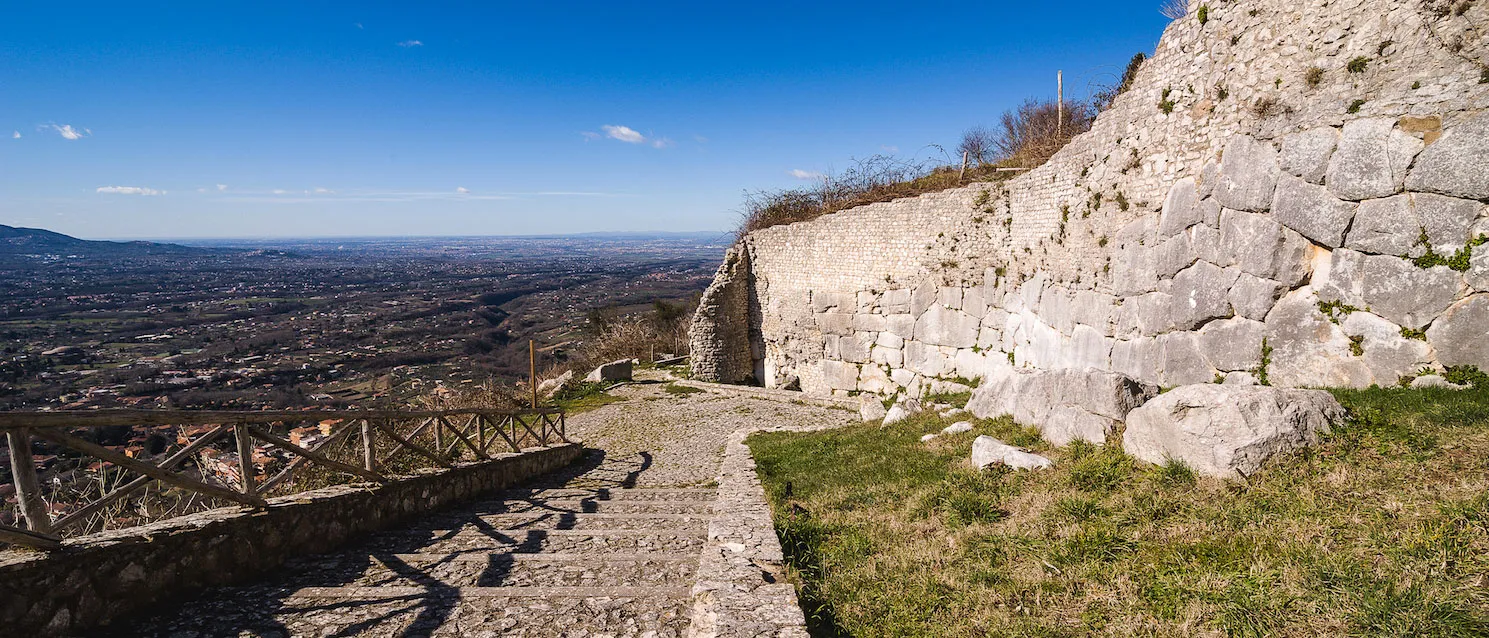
(1025,138)
(1383,530)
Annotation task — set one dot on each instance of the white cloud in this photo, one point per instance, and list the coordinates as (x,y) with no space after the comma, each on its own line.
(623,133)
(408,44)
(462,190)
(221,187)
(324,191)
(661,142)
(359,24)
(16,136)
(589,136)
(279,191)
(129,190)
(801,174)
(67,131)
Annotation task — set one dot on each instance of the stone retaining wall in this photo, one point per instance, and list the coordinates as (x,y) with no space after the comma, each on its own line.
(1288,190)
(97,579)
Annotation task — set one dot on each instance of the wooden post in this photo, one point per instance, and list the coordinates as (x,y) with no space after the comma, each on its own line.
(962,174)
(245,457)
(439,435)
(369,451)
(1059,103)
(23,467)
(532,370)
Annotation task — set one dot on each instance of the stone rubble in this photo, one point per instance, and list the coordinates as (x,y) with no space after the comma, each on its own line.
(987,451)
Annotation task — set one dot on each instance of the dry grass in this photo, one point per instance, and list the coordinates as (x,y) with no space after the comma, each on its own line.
(1383,530)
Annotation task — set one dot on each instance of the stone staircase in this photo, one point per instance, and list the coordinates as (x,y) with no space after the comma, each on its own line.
(577,555)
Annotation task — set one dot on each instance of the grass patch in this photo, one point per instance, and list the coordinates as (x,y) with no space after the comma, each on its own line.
(681,390)
(1381,530)
(583,397)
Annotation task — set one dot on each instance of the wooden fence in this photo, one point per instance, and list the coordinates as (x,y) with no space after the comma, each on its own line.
(439,437)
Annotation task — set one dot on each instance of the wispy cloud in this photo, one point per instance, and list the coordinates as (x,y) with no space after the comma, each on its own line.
(221,187)
(65,130)
(409,44)
(889,148)
(590,136)
(623,133)
(323,191)
(661,142)
(462,190)
(16,136)
(281,196)
(279,191)
(700,139)
(129,190)
(801,174)
(357,24)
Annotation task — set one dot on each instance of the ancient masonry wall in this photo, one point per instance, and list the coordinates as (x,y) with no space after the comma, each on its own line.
(102,578)
(1288,189)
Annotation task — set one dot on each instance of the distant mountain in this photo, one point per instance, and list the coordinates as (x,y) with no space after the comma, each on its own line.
(35,241)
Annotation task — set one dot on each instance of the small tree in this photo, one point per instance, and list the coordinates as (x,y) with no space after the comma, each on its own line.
(977,144)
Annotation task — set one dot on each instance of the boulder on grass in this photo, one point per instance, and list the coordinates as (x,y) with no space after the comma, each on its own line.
(902,410)
(1228,430)
(619,370)
(957,428)
(553,386)
(1064,404)
(987,451)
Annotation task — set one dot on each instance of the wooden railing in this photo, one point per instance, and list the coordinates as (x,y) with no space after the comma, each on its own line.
(367,442)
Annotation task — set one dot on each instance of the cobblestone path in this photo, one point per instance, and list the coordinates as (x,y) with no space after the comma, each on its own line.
(607,547)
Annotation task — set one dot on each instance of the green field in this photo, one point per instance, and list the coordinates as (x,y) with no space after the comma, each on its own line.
(1381,531)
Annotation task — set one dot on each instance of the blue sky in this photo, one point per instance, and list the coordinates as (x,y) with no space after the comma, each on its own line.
(265,119)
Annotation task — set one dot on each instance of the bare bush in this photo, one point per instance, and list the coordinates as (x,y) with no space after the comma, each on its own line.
(1174,9)
(1035,130)
(977,145)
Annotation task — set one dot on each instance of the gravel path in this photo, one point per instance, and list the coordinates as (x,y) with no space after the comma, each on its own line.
(680,437)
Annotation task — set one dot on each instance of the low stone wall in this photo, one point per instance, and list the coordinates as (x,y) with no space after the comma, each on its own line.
(102,578)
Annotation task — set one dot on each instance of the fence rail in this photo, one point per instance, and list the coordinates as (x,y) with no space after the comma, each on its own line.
(375,438)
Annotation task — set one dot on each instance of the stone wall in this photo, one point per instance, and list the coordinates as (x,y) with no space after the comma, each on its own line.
(98,579)
(1261,201)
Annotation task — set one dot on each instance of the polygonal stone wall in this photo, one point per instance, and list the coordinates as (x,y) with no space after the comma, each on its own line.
(1225,217)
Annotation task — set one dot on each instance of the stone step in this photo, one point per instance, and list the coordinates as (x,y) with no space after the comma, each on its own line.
(521,612)
(528,541)
(622,506)
(548,520)
(610,494)
(497,570)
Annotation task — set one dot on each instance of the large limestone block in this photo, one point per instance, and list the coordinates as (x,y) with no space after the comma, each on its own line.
(923,296)
(1094,309)
(1132,258)
(900,325)
(854,348)
(1386,226)
(981,365)
(1387,353)
(892,357)
(1180,209)
(1454,164)
(619,370)
(1405,294)
(1201,293)
(1089,348)
(870,408)
(1252,297)
(1446,220)
(874,380)
(1232,344)
(1371,160)
(901,410)
(1259,245)
(1478,270)
(1312,211)
(926,359)
(835,323)
(1152,314)
(944,326)
(1461,336)
(1306,154)
(1139,358)
(987,451)
(1173,255)
(895,301)
(973,302)
(1308,350)
(1051,399)
(839,375)
(1248,174)
(1183,363)
(839,301)
(1228,431)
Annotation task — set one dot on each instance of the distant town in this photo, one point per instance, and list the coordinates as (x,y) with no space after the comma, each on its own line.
(314,323)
